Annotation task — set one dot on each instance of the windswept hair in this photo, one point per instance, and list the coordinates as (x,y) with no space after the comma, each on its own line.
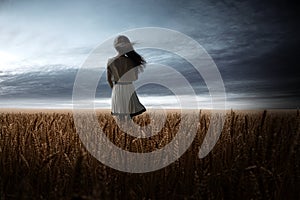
(138,60)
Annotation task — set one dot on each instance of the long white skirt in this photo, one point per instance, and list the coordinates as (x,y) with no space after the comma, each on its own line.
(125,101)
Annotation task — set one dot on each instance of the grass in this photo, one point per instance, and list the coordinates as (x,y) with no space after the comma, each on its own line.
(42,157)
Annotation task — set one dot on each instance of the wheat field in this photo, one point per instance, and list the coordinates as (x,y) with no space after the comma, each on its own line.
(42,157)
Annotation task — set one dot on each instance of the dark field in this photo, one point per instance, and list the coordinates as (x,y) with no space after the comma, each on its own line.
(42,157)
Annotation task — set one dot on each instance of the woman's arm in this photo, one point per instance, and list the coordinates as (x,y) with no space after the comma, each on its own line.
(108,76)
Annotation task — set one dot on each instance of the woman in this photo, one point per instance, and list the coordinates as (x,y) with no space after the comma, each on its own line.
(122,70)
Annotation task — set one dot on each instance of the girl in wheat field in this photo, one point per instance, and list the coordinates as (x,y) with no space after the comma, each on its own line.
(122,70)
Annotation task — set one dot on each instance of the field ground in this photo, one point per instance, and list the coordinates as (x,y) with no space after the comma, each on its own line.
(256,157)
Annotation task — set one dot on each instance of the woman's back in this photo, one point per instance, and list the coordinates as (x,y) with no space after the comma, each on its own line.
(122,69)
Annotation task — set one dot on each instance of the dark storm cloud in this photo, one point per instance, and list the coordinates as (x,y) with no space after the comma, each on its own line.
(38,84)
(255,44)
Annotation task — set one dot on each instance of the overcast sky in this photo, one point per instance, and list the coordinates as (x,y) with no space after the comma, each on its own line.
(255,44)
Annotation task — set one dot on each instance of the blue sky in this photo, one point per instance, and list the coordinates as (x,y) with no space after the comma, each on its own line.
(255,45)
